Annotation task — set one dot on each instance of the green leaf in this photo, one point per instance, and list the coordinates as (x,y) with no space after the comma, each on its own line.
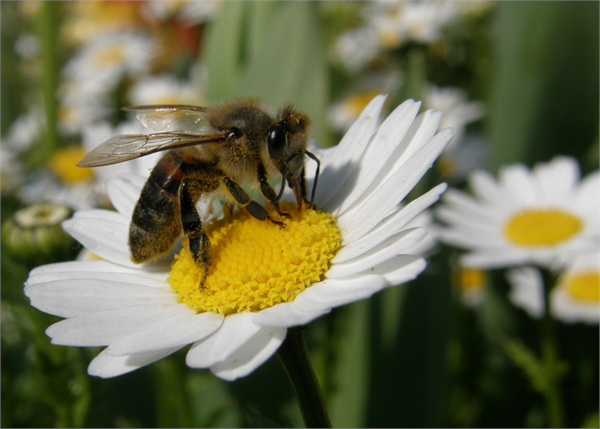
(347,403)
(224,51)
(544,95)
(288,66)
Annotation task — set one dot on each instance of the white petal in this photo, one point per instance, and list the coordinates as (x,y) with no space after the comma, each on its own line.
(342,158)
(95,270)
(123,192)
(494,258)
(102,232)
(251,355)
(519,182)
(103,328)
(458,219)
(234,332)
(378,153)
(389,248)
(458,200)
(587,194)
(287,314)
(486,188)
(333,292)
(185,329)
(390,226)
(359,220)
(400,269)
(69,298)
(106,365)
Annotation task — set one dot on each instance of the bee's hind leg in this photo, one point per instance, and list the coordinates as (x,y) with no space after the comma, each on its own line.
(192,228)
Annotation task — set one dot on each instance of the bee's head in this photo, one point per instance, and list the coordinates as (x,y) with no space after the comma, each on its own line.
(286,142)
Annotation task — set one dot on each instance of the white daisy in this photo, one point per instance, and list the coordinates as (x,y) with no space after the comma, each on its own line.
(104,61)
(355,48)
(417,21)
(458,111)
(193,11)
(134,310)
(575,298)
(541,216)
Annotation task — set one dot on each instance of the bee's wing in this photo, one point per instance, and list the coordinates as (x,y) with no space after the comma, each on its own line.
(129,146)
(170,117)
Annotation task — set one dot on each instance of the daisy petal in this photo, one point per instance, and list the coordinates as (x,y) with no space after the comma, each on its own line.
(124,192)
(286,315)
(103,328)
(333,292)
(486,188)
(518,181)
(185,329)
(359,220)
(384,143)
(391,247)
(102,232)
(69,298)
(343,157)
(401,269)
(95,270)
(251,355)
(390,226)
(106,365)
(235,331)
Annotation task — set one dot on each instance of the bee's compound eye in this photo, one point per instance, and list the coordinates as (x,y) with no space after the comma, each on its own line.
(234,134)
(276,141)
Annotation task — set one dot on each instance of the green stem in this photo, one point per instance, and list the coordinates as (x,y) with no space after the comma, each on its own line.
(550,360)
(294,357)
(47,26)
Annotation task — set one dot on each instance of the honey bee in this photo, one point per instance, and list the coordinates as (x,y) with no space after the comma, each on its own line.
(209,150)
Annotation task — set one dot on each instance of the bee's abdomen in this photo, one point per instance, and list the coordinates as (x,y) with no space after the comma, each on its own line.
(156,223)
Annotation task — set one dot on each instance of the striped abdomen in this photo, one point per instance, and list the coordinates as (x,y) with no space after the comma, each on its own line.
(156,221)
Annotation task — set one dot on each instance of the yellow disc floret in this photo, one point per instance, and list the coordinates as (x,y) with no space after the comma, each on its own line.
(584,286)
(256,264)
(541,227)
(62,163)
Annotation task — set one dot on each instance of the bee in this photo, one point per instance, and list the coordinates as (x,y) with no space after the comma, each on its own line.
(208,150)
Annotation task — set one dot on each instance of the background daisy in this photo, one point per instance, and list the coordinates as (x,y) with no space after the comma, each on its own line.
(574,298)
(541,216)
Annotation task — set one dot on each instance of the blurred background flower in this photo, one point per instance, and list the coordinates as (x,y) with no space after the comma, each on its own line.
(518,83)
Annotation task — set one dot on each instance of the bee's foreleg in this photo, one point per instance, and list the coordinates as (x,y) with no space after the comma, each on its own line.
(192,228)
(243,199)
(268,191)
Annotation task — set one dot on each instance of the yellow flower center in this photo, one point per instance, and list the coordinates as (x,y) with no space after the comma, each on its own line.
(584,286)
(541,227)
(110,55)
(62,163)
(471,280)
(357,102)
(256,264)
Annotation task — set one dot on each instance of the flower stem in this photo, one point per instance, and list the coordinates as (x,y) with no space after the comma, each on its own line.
(47,25)
(550,360)
(294,357)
